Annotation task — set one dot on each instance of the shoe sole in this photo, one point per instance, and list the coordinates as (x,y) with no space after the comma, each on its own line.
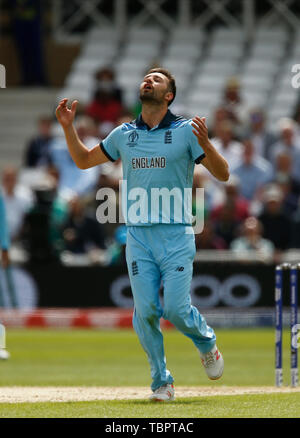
(217,377)
(5,357)
(162,401)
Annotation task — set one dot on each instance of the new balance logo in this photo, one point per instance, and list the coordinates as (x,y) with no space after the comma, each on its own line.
(168,137)
(217,354)
(180,268)
(134,268)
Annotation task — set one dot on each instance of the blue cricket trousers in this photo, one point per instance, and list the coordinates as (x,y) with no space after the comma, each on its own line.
(163,252)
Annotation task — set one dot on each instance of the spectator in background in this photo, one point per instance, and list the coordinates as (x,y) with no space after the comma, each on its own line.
(290,197)
(233,197)
(106,105)
(36,230)
(297,120)
(276,224)
(82,233)
(253,171)
(126,117)
(295,232)
(225,144)
(221,115)
(288,143)
(116,251)
(283,165)
(233,103)
(72,179)
(4,233)
(105,128)
(106,81)
(112,172)
(261,138)
(228,215)
(226,225)
(252,240)
(289,186)
(27,25)
(111,176)
(213,192)
(43,224)
(208,239)
(37,150)
(18,200)
(58,213)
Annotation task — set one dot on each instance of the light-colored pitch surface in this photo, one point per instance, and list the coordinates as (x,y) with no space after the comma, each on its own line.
(66,394)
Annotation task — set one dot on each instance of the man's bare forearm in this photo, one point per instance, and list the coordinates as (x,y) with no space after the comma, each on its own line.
(214,162)
(77,149)
(83,157)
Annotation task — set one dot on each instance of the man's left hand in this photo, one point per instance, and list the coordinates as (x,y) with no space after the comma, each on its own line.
(200,130)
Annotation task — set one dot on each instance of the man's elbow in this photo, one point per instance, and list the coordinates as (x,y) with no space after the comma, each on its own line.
(225,175)
(83,165)
(79,164)
(83,162)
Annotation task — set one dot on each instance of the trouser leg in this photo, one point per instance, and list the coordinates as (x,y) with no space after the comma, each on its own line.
(145,282)
(177,275)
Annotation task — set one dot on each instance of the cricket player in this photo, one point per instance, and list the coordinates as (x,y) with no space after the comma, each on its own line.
(4,245)
(158,151)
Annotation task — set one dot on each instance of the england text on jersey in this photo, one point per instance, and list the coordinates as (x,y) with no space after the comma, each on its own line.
(148,163)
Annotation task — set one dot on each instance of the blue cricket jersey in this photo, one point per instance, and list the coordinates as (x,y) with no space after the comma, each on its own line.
(158,168)
(4,235)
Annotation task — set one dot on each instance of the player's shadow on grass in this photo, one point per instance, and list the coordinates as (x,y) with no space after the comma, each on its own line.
(183,401)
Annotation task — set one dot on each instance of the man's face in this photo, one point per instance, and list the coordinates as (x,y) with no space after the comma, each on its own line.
(155,88)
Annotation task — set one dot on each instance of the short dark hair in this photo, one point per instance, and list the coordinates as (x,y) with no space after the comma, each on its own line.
(165,72)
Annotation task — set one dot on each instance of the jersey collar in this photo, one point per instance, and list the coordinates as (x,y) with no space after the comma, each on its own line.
(165,123)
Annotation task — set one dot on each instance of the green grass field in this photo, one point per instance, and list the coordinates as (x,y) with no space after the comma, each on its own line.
(115,359)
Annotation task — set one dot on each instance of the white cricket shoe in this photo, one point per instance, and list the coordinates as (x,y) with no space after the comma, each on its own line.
(4,355)
(164,393)
(213,363)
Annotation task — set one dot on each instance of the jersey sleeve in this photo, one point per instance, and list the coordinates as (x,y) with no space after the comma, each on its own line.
(196,151)
(4,235)
(110,145)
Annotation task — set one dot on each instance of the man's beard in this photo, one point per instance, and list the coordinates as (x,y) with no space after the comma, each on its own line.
(150,98)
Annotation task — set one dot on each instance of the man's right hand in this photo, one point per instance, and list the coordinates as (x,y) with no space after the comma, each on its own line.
(64,115)
(83,157)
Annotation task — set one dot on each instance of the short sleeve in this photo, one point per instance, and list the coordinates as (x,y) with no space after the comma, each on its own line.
(195,149)
(110,145)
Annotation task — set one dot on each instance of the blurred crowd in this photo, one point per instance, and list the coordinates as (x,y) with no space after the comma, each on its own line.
(51,204)
(258,208)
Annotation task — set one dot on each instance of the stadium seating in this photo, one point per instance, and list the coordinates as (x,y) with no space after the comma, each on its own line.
(201,62)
